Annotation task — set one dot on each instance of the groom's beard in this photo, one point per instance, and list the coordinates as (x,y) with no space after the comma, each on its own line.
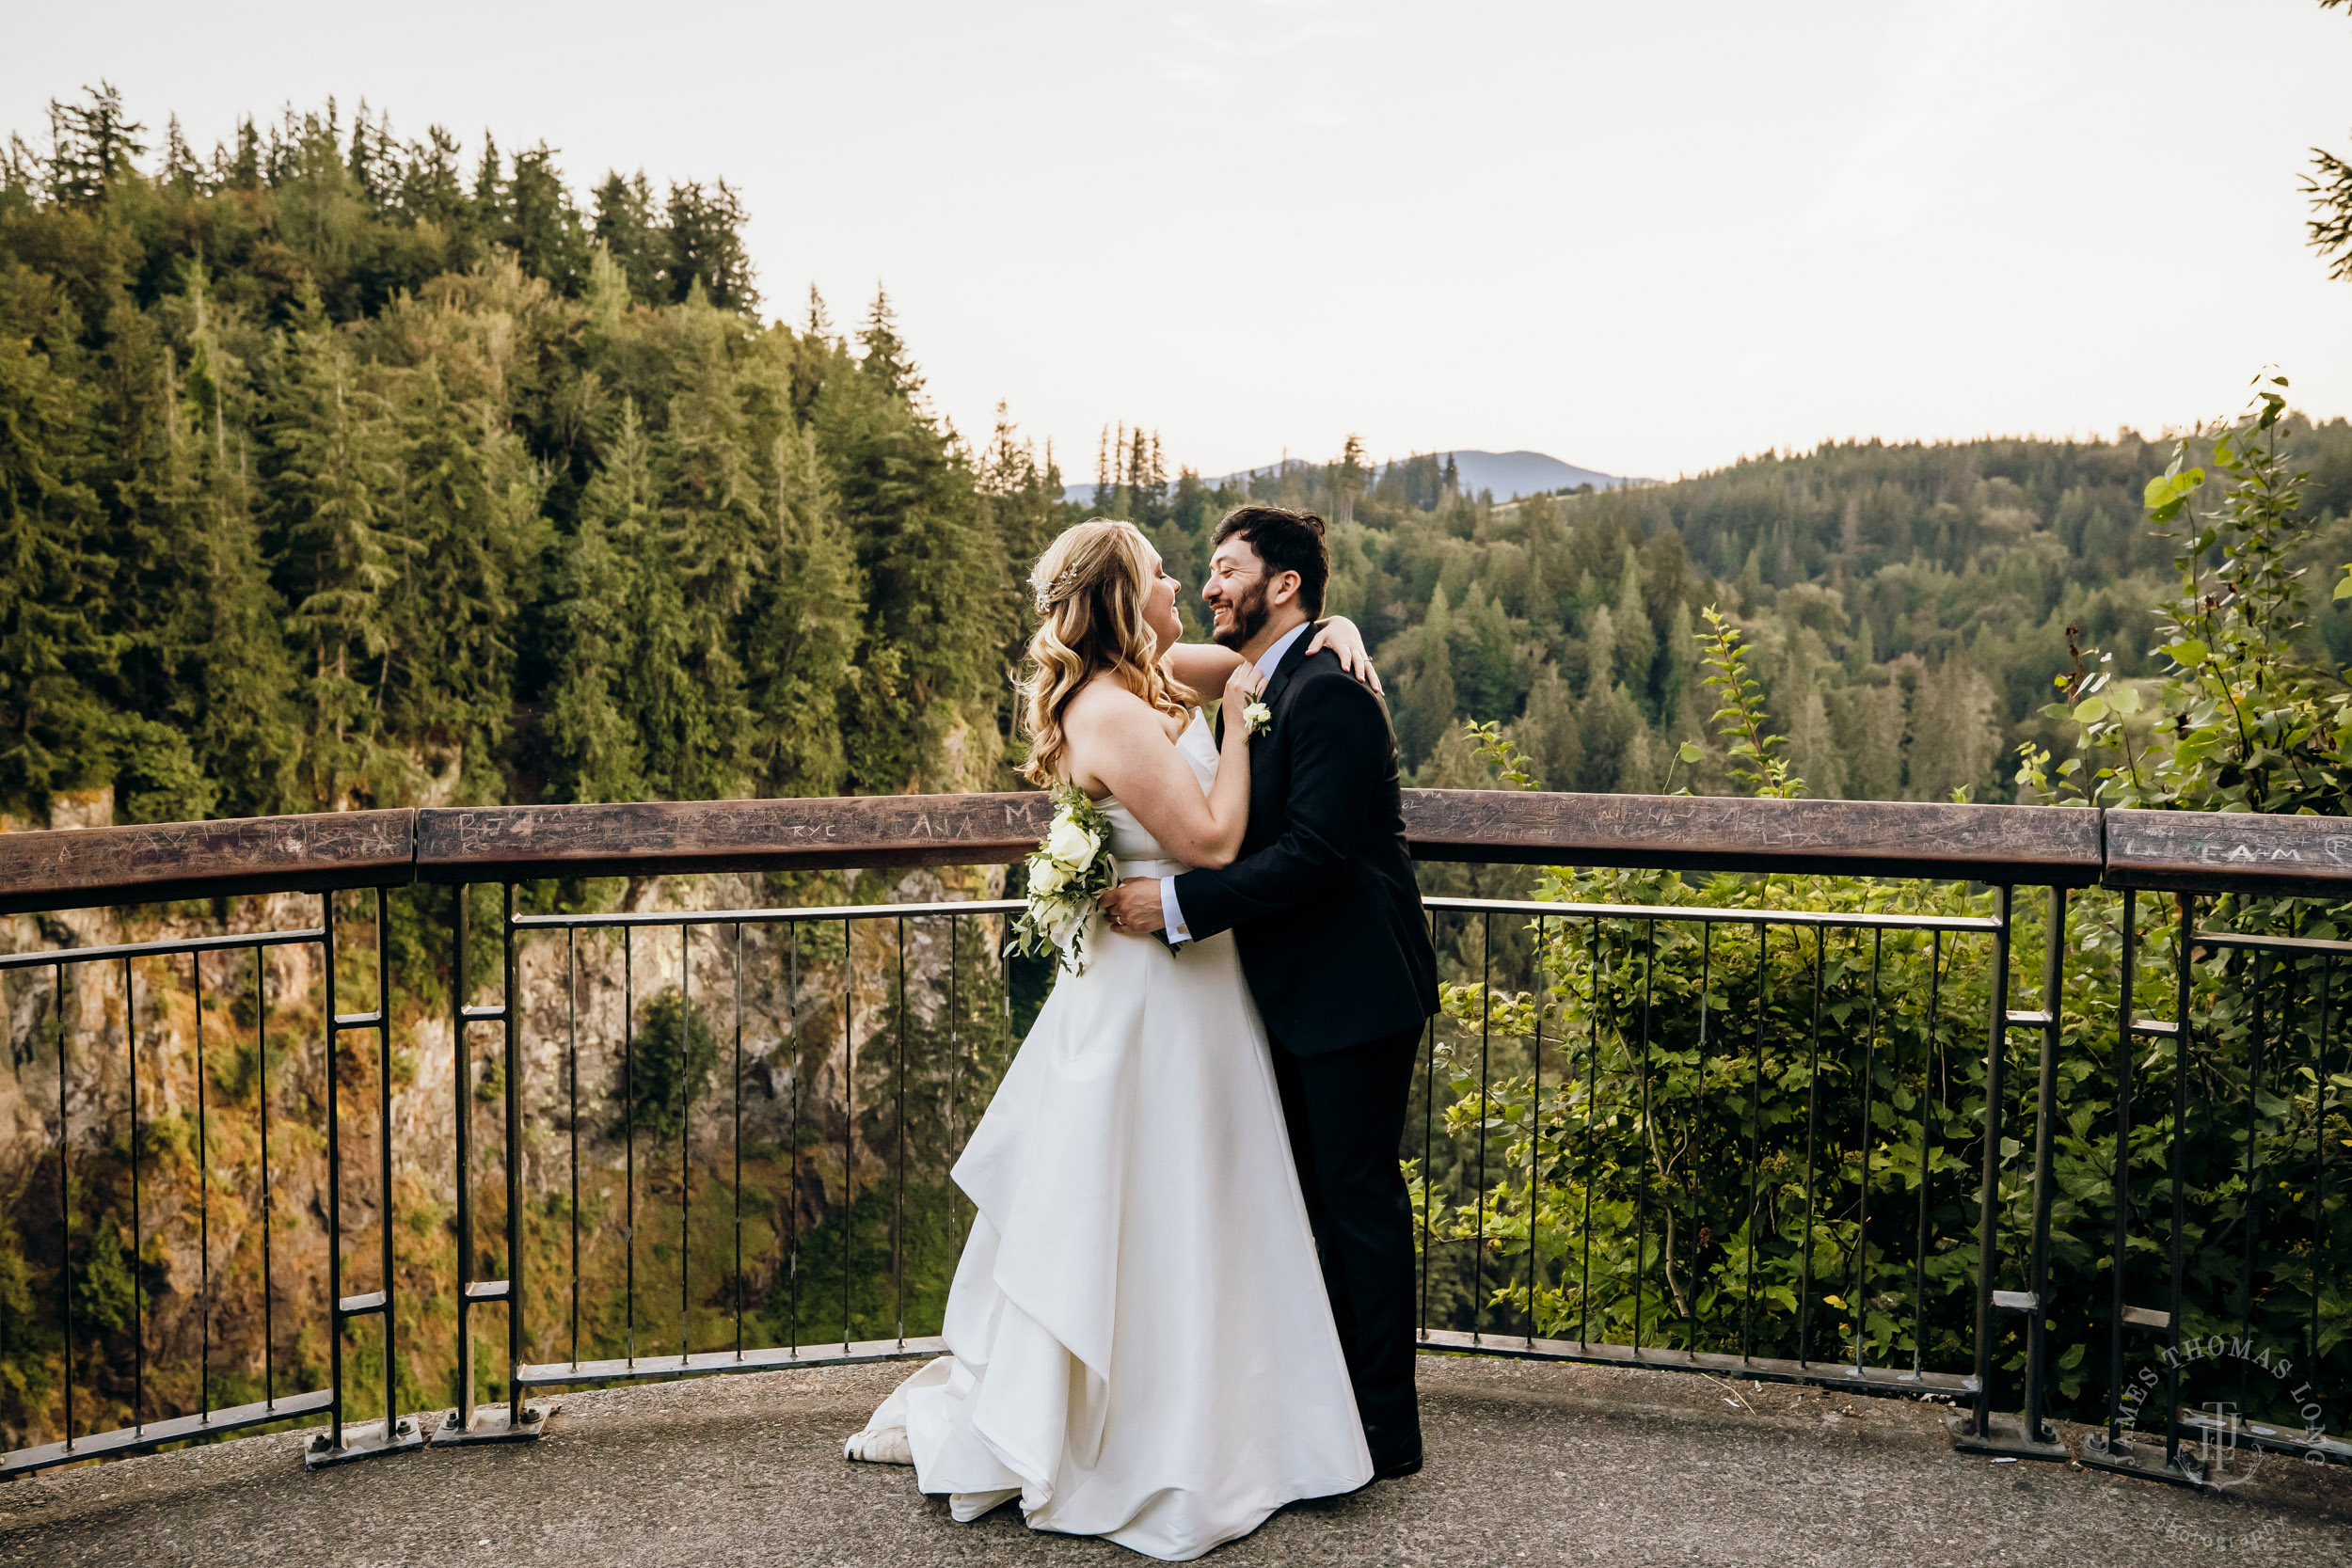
(1246,617)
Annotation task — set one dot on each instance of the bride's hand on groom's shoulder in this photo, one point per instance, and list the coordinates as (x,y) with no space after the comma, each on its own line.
(1343,638)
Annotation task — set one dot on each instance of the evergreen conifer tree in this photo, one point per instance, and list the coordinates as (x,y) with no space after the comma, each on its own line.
(326,471)
(594,740)
(53,646)
(626,227)
(806,618)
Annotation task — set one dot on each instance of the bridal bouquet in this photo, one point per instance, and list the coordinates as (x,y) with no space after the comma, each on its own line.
(1069,867)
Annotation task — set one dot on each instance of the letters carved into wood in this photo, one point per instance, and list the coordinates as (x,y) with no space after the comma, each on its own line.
(2041,845)
(2202,851)
(491,843)
(86,866)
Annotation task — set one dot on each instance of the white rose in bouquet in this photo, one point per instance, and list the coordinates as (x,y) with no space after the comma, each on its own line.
(1066,872)
(1071,843)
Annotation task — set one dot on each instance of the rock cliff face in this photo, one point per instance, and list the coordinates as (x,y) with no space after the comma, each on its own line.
(761,1119)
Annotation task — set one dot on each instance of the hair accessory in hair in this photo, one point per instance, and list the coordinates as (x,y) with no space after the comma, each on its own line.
(1051,594)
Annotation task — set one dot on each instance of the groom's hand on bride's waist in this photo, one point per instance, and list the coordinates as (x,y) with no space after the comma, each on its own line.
(1134,906)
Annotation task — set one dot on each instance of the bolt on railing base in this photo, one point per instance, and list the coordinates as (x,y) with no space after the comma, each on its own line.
(2006,1439)
(2144,1459)
(364,1440)
(491,1424)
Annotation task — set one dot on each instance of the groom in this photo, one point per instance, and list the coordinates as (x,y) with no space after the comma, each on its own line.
(1324,906)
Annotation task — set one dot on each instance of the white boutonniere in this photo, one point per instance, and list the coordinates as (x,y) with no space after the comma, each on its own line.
(1245,693)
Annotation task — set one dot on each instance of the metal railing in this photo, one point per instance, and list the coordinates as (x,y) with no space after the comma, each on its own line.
(207,1419)
(1638,928)
(1850,1050)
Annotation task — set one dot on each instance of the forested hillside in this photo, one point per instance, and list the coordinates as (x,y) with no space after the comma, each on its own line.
(1910,605)
(343,469)
(339,475)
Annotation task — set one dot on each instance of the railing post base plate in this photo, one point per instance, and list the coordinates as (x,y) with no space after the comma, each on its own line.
(364,1440)
(490,1425)
(2005,1440)
(2144,1459)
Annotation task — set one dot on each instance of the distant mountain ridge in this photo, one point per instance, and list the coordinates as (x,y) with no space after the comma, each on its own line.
(1508,474)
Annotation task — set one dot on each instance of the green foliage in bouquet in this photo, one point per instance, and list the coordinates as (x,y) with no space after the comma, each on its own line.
(1072,865)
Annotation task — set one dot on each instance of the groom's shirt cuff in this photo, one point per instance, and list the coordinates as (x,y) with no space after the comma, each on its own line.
(1171,913)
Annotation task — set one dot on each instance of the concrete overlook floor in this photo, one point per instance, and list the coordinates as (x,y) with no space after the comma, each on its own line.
(1527,1464)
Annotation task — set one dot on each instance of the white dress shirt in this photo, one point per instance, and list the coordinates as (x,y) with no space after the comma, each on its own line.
(1172,916)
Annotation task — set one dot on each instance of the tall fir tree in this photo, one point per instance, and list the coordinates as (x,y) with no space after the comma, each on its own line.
(326,471)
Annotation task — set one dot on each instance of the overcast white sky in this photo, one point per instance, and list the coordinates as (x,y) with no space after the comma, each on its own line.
(1646,239)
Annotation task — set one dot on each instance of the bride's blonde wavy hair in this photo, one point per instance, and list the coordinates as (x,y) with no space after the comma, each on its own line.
(1091,588)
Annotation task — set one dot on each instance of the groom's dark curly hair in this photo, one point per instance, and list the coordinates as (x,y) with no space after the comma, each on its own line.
(1286,541)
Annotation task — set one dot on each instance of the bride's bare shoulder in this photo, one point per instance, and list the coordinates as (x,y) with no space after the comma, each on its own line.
(1102,701)
(1105,712)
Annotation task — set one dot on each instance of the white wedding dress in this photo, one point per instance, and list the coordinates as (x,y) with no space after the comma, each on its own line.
(1140,1345)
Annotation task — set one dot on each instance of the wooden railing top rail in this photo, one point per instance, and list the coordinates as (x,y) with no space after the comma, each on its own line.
(2211,851)
(2036,846)
(79,868)
(497,842)
(2044,846)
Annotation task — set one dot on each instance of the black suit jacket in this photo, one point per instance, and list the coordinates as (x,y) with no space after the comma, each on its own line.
(1322,900)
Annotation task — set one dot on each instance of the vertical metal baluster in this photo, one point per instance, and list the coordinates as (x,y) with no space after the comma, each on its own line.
(628,1138)
(65,1210)
(2176,1156)
(1995,1062)
(1428,1147)
(1485,1112)
(2319,1151)
(956,954)
(1641,1184)
(2044,1175)
(138,1305)
(204,1204)
(737,1136)
(1592,1097)
(328,958)
(1812,1124)
(1861,1223)
(955,1049)
(1755,1125)
(384,1153)
(898,1188)
(269,1302)
(1535,1134)
(510,1003)
(685,1144)
(571,1008)
(1928,1110)
(461,1089)
(792,1187)
(848,1130)
(1698,1132)
(2128,959)
(2253,1192)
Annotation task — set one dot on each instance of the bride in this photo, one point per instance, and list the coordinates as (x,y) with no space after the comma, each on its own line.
(1140,1344)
